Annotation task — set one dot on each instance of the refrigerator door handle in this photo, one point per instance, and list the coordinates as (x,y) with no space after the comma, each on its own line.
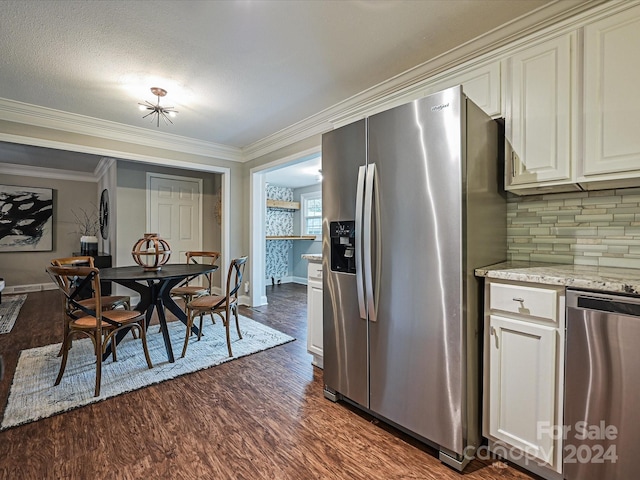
(358,240)
(367,235)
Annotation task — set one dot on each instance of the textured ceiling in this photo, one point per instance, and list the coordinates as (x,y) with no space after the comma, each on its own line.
(237,71)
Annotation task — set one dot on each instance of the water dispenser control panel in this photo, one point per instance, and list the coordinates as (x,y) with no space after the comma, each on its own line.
(343,236)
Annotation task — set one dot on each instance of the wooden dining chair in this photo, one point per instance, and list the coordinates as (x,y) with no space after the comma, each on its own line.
(109,302)
(187,290)
(221,305)
(89,319)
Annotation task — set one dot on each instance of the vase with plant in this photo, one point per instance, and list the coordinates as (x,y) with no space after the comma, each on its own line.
(87,225)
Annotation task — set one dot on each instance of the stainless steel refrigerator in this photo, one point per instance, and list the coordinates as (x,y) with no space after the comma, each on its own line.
(411,206)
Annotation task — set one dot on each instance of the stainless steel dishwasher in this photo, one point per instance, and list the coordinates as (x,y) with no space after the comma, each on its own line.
(602,386)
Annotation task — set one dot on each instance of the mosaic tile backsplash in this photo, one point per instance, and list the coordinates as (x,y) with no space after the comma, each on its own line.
(599,228)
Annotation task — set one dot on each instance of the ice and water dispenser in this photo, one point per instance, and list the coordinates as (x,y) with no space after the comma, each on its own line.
(343,236)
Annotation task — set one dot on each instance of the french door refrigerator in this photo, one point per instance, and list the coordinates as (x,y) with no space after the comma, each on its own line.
(411,206)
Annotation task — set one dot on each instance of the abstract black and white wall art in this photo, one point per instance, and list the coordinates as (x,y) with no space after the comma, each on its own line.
(26,219)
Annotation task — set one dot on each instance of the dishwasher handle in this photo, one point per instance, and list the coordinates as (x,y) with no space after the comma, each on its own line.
(616,304)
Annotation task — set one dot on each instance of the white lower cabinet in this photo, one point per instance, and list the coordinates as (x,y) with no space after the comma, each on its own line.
(314,313)
(523,363)
(523,374)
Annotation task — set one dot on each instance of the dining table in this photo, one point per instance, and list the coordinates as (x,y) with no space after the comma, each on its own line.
(154,288)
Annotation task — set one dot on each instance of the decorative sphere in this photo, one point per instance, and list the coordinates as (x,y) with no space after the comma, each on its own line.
(151,252)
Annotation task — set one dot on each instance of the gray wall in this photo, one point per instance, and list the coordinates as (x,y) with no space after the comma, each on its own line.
(300,247)
(132,208)
(28,268)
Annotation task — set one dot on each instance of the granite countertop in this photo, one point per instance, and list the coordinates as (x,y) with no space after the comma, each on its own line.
(312,257)
(607,279)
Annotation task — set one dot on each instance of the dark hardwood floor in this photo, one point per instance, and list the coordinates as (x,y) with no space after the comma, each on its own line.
(257,417)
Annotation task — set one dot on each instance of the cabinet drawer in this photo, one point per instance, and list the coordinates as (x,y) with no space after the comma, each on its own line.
(531,301)
(315,271)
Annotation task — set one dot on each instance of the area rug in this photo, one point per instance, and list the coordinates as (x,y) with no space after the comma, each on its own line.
(33,395)
(9,310)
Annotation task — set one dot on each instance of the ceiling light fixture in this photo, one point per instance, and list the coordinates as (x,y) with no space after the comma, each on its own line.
(156,110)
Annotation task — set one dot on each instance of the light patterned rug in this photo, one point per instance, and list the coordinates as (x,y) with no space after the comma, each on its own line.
(33,395)
(9,310)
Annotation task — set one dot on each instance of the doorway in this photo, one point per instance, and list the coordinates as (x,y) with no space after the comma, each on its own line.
(259,178)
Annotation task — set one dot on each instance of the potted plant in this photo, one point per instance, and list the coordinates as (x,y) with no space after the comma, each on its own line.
(87,225)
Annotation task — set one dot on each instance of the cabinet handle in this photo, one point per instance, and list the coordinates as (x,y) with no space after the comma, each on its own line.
(513,164)
(518,299)
(495,334)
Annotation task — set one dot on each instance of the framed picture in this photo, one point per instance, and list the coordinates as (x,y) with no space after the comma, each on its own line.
(26,219)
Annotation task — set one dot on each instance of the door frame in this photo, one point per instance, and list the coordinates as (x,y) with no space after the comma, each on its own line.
(258,215)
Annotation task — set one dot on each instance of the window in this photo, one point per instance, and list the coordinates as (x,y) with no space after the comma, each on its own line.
(311,206)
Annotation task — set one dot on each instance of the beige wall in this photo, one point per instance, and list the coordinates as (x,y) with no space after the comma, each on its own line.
(129,198)
(143,156)
(28,268)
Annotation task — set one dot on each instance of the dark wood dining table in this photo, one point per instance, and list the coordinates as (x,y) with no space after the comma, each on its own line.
(154,288)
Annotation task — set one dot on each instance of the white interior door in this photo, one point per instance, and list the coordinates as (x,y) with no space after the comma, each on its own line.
(175,212)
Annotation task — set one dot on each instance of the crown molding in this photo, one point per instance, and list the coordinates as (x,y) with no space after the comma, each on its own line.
(43,172)
(551,19)
(486,47)
(103,166)
(35,115)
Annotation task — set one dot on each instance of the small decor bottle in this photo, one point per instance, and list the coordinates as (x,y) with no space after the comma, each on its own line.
(151,252)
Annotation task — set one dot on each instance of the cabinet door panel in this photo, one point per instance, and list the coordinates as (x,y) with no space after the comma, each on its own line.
(480,84)
(521,386)
(538,127)
(314,315)
(611,100)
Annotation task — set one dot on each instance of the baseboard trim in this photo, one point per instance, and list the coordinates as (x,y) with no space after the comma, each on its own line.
(287,279)
(36,287)
(278,280)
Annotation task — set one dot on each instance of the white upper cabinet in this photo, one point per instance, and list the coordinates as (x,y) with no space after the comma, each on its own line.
(538,106)
(611,97)
(481,84)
